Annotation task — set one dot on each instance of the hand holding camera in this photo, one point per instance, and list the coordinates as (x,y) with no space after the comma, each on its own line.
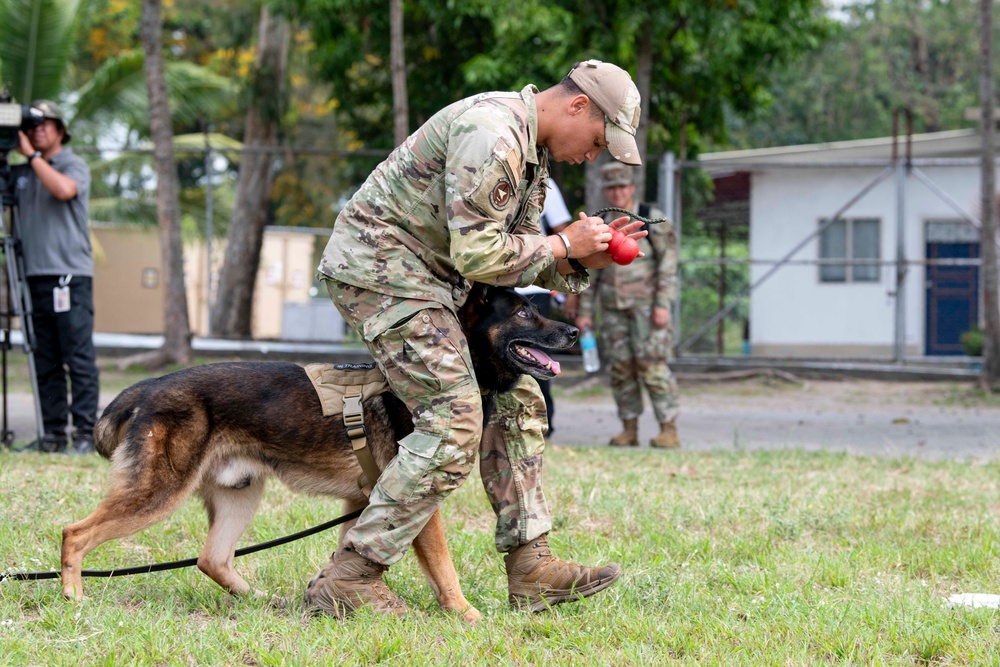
(15,119)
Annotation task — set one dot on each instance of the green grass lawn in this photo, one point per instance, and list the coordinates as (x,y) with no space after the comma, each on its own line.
(769,558)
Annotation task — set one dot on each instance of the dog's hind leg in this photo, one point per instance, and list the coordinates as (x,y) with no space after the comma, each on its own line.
(230,511)
(126,510)
(435,560)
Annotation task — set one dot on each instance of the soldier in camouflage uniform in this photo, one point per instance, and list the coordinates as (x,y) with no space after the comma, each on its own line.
(635,304)
(459,201)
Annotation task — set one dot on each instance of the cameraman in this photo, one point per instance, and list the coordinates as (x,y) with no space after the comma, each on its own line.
(52,191)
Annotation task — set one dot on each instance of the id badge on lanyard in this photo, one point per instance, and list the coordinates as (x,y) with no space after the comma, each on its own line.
(60,295)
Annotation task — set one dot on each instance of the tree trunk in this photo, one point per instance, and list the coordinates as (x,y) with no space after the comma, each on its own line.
(176,326)
(991,293)
(397,60)
(233,309)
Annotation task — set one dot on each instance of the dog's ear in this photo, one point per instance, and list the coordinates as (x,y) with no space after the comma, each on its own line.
(471,311)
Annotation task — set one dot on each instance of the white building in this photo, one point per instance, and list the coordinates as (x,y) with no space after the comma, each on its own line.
(811,306)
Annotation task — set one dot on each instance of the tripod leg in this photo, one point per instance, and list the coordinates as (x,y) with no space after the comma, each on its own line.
(20,298)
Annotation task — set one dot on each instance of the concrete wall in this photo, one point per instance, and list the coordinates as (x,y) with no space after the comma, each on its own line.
(793,313)
(129,290)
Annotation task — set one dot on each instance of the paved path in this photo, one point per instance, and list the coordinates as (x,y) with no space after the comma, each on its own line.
(880,418)
(714,427)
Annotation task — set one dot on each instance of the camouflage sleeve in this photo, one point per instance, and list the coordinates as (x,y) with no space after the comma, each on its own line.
(664,239)
(482,171)
(573,283)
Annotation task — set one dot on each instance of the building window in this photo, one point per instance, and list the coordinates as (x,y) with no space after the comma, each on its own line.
(852,239)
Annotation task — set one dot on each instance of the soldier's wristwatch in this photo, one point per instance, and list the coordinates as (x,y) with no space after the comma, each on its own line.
(577,265)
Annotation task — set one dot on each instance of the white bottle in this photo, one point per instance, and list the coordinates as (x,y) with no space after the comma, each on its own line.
(588,344)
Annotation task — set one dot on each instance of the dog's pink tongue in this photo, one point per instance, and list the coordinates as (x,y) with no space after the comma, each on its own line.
(544,359)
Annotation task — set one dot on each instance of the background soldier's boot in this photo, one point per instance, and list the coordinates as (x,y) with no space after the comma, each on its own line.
(667,437)
(537,580)
(629,437)
(83,442)
(50,443)
(349,582)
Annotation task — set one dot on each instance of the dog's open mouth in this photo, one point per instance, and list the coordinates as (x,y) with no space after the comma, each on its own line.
(536,362)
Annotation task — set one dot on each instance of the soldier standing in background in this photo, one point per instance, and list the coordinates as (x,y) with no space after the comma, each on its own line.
(634,331)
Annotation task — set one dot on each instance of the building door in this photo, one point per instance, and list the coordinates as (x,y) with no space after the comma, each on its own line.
(952,292)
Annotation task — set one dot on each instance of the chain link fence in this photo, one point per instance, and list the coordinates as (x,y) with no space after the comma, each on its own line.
(873,259)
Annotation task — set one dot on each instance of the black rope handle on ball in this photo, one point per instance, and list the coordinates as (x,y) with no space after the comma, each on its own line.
(177,564)
(634,216)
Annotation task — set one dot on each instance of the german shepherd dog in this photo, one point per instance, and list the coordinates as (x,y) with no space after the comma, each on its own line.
(222,429)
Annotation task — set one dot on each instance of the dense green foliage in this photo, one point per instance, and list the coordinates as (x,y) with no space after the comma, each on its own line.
(887,55)
(707,56)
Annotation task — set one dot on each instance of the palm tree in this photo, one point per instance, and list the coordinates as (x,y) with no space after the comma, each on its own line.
(176,326)
(36,46)
(35,59)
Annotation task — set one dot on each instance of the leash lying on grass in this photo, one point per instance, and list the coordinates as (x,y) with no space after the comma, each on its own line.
(188,562)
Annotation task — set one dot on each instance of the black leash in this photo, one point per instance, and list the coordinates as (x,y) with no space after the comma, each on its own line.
(177,564)
(634,216)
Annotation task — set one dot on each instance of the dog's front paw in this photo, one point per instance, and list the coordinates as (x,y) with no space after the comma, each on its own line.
(467,614)
(73,594)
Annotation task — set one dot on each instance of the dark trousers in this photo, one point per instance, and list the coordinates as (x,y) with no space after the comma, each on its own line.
(64,344)
(544,304)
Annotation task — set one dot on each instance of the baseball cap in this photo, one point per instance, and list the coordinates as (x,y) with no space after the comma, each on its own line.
(49,109)
(611,89)
(616,173)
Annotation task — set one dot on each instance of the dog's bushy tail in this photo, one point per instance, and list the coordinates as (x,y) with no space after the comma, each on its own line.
(109,432)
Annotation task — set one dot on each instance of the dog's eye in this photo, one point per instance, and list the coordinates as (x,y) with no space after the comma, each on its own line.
(523,313)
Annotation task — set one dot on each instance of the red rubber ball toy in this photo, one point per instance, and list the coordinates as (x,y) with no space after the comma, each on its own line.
(623,249)
(616,241)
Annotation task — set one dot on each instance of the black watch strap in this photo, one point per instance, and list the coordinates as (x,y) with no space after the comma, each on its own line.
(34,155)
(577,265)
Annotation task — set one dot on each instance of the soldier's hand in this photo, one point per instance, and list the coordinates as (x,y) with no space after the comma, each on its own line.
(572,306)
(24,146)
(587,236)
(629,227)
(661,317)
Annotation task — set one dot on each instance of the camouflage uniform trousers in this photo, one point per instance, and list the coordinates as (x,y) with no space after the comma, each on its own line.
(636,353)
(420,347)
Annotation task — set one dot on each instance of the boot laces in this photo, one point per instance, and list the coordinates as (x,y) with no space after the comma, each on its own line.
(558,570)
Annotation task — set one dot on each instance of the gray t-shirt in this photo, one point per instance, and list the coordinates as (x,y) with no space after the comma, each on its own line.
(55,234)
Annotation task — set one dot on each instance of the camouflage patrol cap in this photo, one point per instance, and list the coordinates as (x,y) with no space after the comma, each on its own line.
(616,173)
(611,89)
(49,109)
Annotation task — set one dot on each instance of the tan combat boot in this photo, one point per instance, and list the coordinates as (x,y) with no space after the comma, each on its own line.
(667,437)
(629,437)
(349,582)
(537,580)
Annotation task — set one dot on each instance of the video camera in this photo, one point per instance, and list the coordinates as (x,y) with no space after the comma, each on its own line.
(14,117)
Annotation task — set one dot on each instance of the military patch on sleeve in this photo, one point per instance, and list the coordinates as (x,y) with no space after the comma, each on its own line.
(513,161)
(502,194)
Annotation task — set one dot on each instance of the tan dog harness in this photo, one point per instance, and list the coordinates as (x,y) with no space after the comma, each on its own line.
(342,388)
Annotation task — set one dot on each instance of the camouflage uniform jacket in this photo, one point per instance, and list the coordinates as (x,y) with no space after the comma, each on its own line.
(458,201)
(647,281)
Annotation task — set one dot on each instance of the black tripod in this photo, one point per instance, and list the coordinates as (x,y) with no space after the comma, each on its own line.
(15,298)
